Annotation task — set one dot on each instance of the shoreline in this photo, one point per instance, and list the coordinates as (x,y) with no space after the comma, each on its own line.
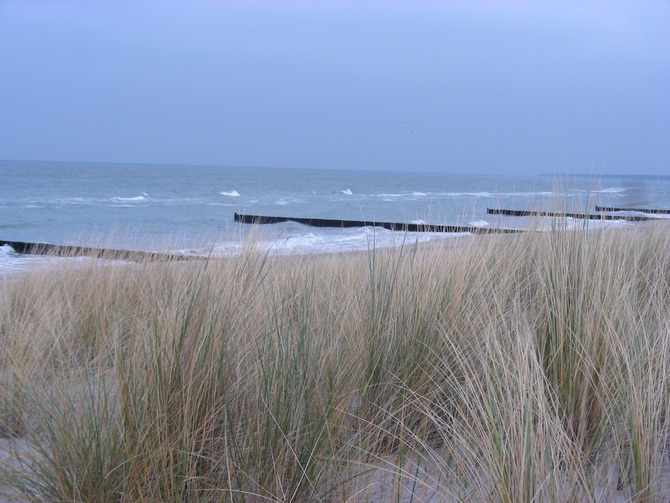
(272,245)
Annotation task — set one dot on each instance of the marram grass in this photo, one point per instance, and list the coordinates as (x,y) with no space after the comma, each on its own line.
(523,368)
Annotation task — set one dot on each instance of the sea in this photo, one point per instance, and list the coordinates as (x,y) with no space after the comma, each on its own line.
(190,209)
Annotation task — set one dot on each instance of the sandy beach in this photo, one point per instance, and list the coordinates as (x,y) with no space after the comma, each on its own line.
(503,368)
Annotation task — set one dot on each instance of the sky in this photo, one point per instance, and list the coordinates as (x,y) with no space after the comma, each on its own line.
(481,87)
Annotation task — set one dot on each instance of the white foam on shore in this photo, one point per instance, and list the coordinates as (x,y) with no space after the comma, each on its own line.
(17,263)
(296,239)
(569,223)
(640,214)
(10,261)
(345,240)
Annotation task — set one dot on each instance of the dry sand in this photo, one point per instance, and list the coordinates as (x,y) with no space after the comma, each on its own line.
(8,448)
(413,481)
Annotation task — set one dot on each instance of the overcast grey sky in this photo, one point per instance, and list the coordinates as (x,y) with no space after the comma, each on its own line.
(514,87)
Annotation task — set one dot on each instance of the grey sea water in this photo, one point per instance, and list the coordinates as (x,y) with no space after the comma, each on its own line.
(189,209)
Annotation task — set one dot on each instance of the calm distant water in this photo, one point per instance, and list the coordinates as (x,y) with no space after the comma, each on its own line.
(190,209)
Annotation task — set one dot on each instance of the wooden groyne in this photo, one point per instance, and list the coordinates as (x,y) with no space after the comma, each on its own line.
(403,227)
(583,216)
(87,251)
(640,210)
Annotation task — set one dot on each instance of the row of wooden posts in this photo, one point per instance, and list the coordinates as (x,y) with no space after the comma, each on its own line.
(76,251)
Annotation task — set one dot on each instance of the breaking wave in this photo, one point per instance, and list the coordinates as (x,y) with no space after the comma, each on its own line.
(142,197)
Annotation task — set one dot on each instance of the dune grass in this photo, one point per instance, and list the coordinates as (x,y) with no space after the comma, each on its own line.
(513,368)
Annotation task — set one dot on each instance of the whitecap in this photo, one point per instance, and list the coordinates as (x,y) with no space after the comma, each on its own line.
(611,190)
(347,192)
(6,250)
(142,197)
(470,194)
(68,200)
(495,194)
(407,194)
(233,193)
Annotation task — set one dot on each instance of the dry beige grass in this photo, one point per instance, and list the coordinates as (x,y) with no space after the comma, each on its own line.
(530,368)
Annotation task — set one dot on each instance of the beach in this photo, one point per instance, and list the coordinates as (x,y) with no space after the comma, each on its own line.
(504,368)
(334,252)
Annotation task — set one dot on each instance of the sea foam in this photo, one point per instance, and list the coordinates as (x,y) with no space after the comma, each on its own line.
(141,197)
(611,190)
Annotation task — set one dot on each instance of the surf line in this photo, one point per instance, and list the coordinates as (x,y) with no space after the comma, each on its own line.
(657,211)
(582,216)
(403,227)
(87,251)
